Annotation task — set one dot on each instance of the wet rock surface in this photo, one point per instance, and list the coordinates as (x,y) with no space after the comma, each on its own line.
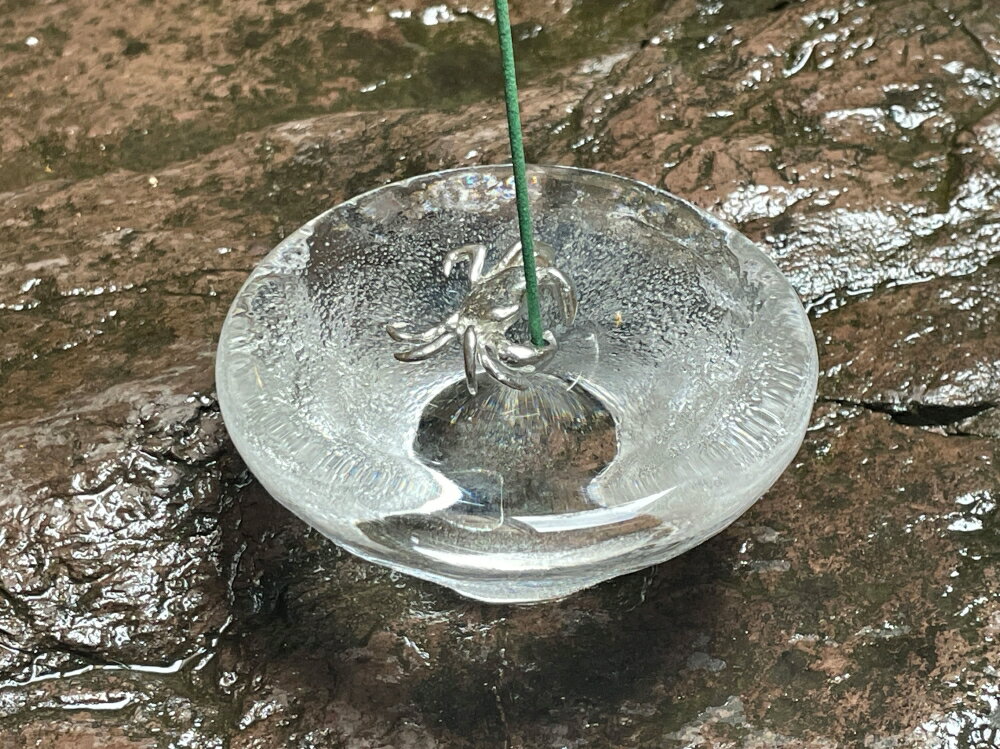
(152,596)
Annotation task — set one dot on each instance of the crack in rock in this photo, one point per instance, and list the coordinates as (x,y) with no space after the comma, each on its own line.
(918,414)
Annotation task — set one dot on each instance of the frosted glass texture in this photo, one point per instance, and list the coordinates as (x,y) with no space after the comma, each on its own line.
(677,396)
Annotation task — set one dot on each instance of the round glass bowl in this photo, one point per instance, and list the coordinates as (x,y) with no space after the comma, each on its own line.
(676,397)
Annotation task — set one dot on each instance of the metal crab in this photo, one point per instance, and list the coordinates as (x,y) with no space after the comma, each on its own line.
(493,305)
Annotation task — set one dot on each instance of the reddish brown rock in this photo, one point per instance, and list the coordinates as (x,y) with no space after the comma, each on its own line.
(151,595)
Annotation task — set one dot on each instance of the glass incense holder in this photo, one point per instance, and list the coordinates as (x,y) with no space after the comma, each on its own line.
(674,386)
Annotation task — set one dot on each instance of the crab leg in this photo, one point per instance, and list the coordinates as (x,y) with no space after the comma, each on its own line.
(397,332)
(523,354)
(498,371)
(428,349)
(470,346)
(504,313)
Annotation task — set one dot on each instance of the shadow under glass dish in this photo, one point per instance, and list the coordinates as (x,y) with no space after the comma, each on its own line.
(677,396)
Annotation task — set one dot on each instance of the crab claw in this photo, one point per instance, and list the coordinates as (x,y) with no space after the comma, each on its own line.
(560,284)
(474,253)
(545,255)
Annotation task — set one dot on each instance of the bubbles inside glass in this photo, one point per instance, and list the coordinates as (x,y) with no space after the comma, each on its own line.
(677,396)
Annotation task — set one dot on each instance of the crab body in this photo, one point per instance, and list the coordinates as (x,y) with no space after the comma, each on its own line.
(495,302)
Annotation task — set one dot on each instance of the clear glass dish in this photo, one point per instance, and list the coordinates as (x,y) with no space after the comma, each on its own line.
(677,396)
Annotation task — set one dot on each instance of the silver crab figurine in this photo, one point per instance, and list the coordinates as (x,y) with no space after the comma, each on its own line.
(495,302)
